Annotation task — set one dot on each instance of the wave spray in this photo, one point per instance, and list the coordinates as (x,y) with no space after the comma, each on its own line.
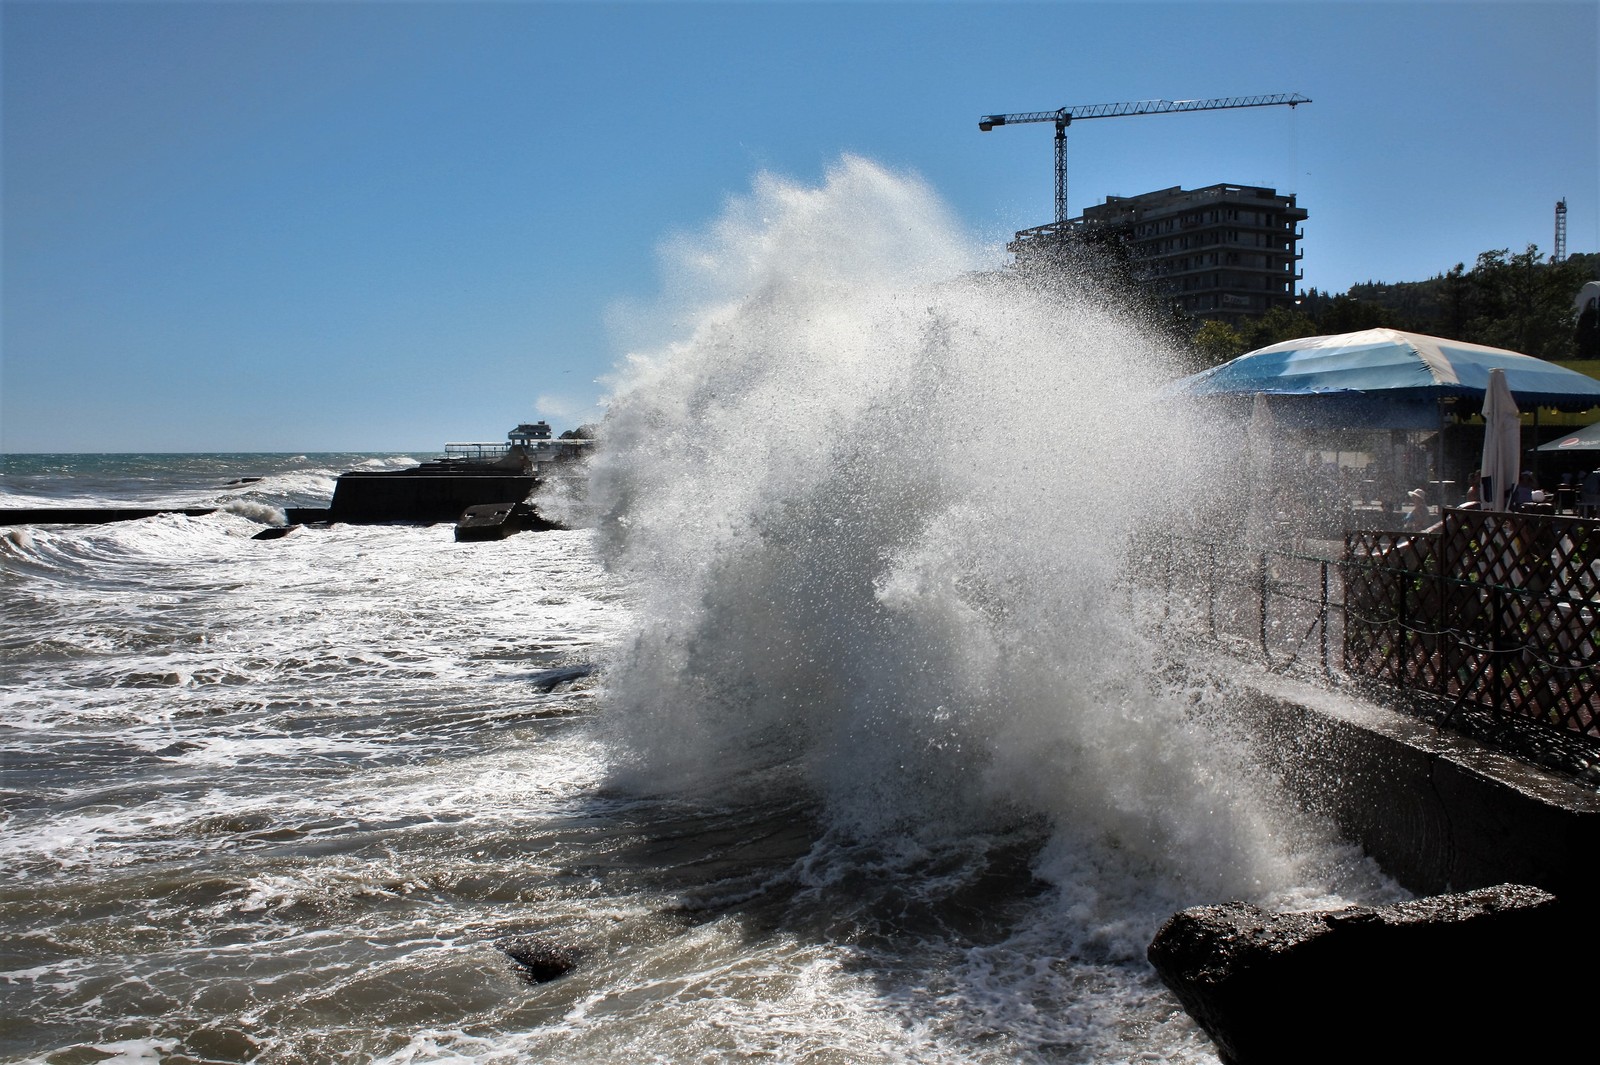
(876,501)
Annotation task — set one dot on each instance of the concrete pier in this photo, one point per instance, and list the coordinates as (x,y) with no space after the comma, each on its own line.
(423,495)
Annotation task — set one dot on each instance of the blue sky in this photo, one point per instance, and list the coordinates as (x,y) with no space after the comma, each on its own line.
(381,226)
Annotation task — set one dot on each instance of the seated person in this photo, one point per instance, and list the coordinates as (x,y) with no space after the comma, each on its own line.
(1526,491)
(1416,518)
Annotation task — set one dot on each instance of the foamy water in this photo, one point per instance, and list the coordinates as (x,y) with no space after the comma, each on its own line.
(881,763)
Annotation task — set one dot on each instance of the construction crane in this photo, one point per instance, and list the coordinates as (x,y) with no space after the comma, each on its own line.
(1067,115)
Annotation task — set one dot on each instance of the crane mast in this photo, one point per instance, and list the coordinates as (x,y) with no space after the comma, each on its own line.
(1065,116)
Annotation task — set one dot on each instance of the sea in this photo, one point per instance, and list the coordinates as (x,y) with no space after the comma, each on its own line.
(832,729)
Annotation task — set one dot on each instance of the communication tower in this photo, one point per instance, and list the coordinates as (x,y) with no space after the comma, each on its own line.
(1561,232)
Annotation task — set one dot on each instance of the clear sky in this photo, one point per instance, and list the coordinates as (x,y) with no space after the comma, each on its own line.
(380,226)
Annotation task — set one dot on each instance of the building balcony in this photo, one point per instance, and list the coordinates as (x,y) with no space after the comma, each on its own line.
(1169,269)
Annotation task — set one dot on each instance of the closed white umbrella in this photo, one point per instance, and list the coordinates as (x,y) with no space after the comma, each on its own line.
(1502,442)
(1262,438)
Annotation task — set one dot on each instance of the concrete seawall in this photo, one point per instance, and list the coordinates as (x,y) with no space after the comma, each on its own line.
(1438,811)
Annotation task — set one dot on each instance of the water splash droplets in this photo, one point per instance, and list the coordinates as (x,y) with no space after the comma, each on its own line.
(877,499)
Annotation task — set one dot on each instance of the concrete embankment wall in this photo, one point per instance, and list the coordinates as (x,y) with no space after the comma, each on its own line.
(1438,811)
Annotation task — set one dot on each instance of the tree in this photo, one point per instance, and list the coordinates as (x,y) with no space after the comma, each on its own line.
(1523,304)
(1457,296)
(1277,325)
(1217,342)
(1511,301)
(1588,338)
(1346,314)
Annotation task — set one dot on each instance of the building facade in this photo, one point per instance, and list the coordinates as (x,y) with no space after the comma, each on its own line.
(1225,252)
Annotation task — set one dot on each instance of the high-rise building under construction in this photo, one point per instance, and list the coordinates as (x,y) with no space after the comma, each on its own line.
(1226,252)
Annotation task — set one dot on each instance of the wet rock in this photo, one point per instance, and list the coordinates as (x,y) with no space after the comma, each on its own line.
(550,679)
(539,960)
(1478,976)
(275,532)
(221,1044)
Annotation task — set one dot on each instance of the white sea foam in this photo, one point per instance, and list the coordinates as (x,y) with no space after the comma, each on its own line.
(133,1051)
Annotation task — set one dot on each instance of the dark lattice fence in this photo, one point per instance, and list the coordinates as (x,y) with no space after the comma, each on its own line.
(1491,611)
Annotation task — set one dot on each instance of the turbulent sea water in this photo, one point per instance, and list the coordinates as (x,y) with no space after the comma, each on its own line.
(878,762)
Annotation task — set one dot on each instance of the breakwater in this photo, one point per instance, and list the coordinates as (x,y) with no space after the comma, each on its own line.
(90,515)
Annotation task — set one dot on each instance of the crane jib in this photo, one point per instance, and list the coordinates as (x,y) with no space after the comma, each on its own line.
(1064,116)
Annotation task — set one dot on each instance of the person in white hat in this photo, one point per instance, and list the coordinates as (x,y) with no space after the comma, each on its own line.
(1417,517)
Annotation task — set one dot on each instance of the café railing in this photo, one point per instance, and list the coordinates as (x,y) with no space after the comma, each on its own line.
(1488,614)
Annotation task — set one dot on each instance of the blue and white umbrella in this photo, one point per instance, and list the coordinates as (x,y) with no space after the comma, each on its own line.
(1385,377)
(1585,439)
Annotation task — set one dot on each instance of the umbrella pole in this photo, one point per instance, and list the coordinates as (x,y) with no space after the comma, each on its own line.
(1538,462)
(1438,457)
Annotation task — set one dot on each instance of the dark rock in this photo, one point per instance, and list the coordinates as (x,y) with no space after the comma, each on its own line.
(1487,975)
(539,960)
(549,680)
(275,532)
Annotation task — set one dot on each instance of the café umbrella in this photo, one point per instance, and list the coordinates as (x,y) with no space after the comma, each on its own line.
(1585,439)
(1385,379)
(1502,442)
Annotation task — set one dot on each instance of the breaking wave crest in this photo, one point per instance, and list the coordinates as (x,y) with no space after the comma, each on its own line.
(876,499)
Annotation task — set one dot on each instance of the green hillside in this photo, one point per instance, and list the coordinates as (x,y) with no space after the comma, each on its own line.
(1516,301)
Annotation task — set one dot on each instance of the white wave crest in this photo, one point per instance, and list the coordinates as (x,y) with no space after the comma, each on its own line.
(877,505)
(260,513)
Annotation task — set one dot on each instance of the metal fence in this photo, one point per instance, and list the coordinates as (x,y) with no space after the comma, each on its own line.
(1486,614)
(1285,607)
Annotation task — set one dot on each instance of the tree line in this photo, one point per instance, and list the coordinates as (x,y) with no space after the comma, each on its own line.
(1517,301)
